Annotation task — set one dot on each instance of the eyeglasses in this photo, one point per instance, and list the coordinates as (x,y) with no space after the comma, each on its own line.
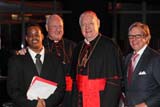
(137,36)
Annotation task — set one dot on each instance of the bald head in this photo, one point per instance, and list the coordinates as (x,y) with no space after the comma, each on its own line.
(54,27)
(53,17)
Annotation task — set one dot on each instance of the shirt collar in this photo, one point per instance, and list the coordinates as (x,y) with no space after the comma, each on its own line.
(140,52)
(86,41)
(33,54)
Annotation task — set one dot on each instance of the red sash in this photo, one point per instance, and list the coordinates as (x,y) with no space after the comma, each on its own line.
(68,83)
(90,89)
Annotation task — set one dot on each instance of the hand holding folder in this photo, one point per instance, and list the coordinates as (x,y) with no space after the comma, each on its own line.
(40,88)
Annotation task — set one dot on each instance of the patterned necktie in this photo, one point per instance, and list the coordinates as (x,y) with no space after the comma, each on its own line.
(131,67)
(38,63)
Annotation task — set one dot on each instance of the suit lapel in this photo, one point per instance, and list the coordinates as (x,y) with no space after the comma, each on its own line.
(45,63)
(30,64)
(141,63)
(127,61)
(128,58)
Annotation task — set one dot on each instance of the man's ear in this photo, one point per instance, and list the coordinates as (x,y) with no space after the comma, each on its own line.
(26,38)
(98,23)
(46,27)
(42,36)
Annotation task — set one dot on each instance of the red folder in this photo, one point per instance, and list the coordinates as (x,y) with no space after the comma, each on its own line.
(40,88)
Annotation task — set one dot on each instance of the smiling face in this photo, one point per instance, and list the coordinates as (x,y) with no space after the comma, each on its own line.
(54,26)
(89,24)
(34,38)
(137,39)
(139,35)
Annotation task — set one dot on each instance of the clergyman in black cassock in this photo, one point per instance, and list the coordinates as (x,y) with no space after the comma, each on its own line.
(96,67)
(62,48)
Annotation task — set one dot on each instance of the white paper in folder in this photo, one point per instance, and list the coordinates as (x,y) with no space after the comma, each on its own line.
(40,88)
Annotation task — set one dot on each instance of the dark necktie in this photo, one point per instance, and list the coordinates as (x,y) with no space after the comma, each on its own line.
(131,67)
(38,63)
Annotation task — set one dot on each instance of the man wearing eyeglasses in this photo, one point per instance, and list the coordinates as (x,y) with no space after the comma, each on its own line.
(142,66)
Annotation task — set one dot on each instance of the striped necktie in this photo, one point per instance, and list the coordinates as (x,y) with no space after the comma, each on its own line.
(131,67)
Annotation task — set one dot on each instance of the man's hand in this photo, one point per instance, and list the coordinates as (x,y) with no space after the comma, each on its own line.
(21,52)
(41,103)
(141,105)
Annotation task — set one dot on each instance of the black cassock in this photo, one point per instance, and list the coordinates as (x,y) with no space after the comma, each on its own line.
(96,74)
(63,51)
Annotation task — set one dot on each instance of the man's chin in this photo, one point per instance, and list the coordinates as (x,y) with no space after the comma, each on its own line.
(36,47)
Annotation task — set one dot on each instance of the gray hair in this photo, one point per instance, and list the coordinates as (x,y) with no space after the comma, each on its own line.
(87,12)
(53,16)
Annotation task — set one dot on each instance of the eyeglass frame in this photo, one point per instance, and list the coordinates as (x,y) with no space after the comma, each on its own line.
(137,36)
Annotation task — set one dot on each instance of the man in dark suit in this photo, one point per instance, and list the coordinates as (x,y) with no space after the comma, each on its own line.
(22,68)
(142,66)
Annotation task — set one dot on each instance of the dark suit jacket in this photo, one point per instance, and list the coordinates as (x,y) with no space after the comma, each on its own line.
(21,70)
(145,83)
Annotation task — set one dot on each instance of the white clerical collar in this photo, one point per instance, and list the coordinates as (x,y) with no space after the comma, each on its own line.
(56,41)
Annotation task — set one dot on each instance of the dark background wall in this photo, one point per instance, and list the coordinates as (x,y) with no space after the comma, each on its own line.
(115,16)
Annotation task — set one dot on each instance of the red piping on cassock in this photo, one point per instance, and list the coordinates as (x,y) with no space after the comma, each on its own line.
(68,83)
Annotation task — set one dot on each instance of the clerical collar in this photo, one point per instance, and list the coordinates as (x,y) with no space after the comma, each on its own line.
(91,42)
(94,40)
(91,51)
(56,41)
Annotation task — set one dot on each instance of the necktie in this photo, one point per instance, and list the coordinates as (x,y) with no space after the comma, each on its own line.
(38,63)
(131,67)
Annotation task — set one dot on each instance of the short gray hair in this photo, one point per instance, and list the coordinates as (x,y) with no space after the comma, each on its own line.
(87,12)
(53,16)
